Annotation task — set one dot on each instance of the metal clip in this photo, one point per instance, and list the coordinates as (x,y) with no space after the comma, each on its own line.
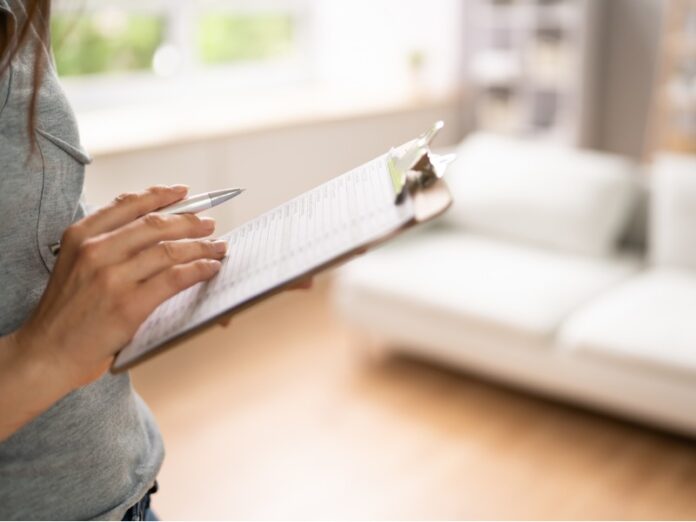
(414,167)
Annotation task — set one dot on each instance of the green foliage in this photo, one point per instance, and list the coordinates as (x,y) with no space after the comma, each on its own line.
(94,44)
(106,41)
(224,37)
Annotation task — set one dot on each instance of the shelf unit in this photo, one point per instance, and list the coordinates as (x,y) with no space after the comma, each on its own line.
(532,67)
(675,121)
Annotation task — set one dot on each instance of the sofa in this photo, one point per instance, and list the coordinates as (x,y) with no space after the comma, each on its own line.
(568,273)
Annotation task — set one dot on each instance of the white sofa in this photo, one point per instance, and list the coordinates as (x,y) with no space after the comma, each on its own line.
(539,277)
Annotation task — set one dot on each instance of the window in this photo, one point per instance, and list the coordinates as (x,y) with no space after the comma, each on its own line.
(169,54)
(232,37)
(131,48)
(108,41)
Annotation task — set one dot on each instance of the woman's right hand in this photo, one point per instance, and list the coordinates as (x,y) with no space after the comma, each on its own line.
(114,268)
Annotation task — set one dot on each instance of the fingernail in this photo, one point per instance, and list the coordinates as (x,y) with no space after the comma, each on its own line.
(208,223)
(219,247)
(214,265)
(182,189)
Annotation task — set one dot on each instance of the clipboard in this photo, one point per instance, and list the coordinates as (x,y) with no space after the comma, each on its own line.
(415,176)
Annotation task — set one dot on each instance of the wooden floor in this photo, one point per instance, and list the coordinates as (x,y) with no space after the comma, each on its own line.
(280,416)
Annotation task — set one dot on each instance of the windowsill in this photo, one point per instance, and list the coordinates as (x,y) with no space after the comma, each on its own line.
(128,129)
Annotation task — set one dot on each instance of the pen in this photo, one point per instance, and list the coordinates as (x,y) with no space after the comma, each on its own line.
(197,203)
(201,202)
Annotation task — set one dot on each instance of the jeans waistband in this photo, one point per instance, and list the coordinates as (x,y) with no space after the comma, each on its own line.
(139,510)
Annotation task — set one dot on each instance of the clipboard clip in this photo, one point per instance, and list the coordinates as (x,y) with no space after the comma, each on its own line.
(413,166)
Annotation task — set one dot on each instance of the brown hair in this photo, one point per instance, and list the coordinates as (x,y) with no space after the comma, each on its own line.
(32,30)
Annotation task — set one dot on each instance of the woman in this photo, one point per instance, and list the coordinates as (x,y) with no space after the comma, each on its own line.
(76,442)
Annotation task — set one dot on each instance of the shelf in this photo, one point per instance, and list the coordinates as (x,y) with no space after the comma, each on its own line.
(533,66)
(132,128)
(675,102)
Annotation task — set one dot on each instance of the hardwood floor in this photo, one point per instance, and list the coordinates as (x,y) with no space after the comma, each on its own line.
(280,416)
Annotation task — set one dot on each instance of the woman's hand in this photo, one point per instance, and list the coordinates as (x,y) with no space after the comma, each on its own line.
(304,284)
(114,268)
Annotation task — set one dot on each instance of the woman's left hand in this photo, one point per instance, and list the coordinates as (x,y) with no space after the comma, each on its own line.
(303,284)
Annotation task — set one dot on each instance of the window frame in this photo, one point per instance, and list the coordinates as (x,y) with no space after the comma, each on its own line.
(180,31)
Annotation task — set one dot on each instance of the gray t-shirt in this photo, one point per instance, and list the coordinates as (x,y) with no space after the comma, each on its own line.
(97,451)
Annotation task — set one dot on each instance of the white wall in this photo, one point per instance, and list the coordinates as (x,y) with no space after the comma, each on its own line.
(363,42)
(274,165)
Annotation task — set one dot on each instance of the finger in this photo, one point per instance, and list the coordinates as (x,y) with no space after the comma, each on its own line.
(125,242)
(225,321)
(124,209)
(167,254)
(129,207)
(303,284)
(154,291)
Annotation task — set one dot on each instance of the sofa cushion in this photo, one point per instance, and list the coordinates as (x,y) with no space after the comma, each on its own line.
(573,200)
(488,281)
(649,320)
(673,211)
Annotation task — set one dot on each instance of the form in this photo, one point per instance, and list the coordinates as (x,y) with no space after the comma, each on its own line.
(321,225)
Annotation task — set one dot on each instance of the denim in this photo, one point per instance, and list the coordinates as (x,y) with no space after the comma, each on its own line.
(141,510)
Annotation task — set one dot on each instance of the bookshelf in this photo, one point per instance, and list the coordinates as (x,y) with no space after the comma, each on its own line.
(532,65)
(675,121)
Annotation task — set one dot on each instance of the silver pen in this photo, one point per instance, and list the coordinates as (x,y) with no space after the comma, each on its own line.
(201,202)
(197,203)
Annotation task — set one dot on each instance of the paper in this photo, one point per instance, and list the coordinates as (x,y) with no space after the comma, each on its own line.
(346,213)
